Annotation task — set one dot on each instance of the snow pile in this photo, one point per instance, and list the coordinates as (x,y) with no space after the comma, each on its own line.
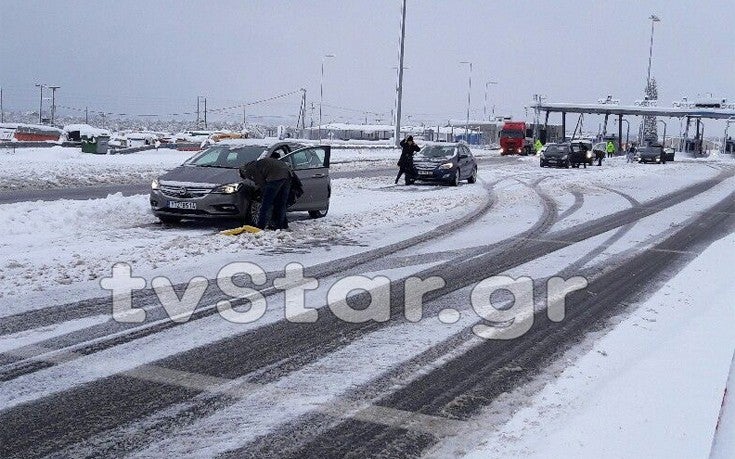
(52,244)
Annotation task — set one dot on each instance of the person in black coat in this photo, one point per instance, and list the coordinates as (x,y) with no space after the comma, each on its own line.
(405,163)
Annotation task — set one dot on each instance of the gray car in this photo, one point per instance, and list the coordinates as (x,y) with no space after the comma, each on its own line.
(208,185)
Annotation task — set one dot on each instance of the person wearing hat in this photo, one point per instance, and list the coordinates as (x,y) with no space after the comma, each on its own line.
(405,163)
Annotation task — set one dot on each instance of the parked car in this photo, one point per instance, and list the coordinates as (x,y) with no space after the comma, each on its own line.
(555,154)
(651,154)
(446,162)
(208,185)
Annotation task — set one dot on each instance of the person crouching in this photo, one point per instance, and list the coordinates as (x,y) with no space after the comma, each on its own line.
(273,177)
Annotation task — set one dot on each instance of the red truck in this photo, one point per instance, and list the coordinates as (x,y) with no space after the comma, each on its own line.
(513,140)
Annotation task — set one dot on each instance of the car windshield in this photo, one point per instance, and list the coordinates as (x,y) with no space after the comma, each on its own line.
(650,151)
(227,157)
(437,151)
(553,150)
(511,134)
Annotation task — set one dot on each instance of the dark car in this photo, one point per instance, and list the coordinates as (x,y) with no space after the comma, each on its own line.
(445,162)
(556,154)
(651,154)
(208,185)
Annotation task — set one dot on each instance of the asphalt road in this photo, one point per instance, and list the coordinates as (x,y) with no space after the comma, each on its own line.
(104,418)
(130,189)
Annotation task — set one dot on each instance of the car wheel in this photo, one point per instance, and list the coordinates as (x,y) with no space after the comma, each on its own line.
(473,177)
(318,213)
(541,163)
(567,164)
(169,219)
(251,218)
(455,182)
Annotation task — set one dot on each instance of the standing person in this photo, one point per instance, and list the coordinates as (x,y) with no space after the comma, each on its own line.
(631,154)
(405,163)
(610,148)
(273,177)
(598,155)
(537,145)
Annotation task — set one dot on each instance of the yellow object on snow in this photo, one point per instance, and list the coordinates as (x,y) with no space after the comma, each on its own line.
(240,230)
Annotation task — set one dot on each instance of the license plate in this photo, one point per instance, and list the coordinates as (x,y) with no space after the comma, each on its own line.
(182,205)
(426,173)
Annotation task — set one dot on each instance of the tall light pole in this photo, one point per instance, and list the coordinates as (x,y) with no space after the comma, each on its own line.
(321,92)
(399,88)
(654,19)
(40,106)
(53,102)
(484,110)
(469,92)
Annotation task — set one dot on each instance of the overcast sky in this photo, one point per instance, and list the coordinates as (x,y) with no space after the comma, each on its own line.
(155,57)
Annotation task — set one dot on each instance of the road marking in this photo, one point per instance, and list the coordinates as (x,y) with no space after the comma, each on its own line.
(391,417)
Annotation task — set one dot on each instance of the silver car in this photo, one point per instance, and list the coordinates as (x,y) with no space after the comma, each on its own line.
(208,185)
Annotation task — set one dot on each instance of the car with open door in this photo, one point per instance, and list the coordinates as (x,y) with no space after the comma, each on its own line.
(208,185)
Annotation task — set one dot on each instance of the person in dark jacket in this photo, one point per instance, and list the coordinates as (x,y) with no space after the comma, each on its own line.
(273,177)
(405,163)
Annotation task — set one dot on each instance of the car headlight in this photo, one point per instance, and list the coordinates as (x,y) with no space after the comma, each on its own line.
(502,150)
(446,166)
(589,155)
(155,184)
(565,157)
(228,189)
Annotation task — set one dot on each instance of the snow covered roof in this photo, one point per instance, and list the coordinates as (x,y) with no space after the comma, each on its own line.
(639,110)
(354,127)
(86,130)
(40,127)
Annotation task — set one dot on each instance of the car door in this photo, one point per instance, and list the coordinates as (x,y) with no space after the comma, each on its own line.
(465,161)
(311,165)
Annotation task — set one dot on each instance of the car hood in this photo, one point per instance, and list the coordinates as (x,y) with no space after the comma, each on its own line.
(212,176)
(433,162)
(555,154)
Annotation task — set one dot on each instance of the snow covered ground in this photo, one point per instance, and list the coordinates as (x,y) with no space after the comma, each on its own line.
(650,386)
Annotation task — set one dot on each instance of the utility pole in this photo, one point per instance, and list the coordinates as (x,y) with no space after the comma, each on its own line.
(40,106)
(205,113)
(53,102)
(399,90)
(86,115)
(2,112)
(469,91)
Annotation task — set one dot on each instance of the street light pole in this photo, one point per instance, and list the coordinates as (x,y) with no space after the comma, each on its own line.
(654,19)
(321,93)
(399,89)
(53,102)
(40,106)
(664,141)
(484,109)
(469,92)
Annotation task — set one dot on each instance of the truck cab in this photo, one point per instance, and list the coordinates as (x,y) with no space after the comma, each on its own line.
(513,140)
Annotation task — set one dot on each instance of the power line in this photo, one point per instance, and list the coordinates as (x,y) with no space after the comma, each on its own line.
(221,109)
